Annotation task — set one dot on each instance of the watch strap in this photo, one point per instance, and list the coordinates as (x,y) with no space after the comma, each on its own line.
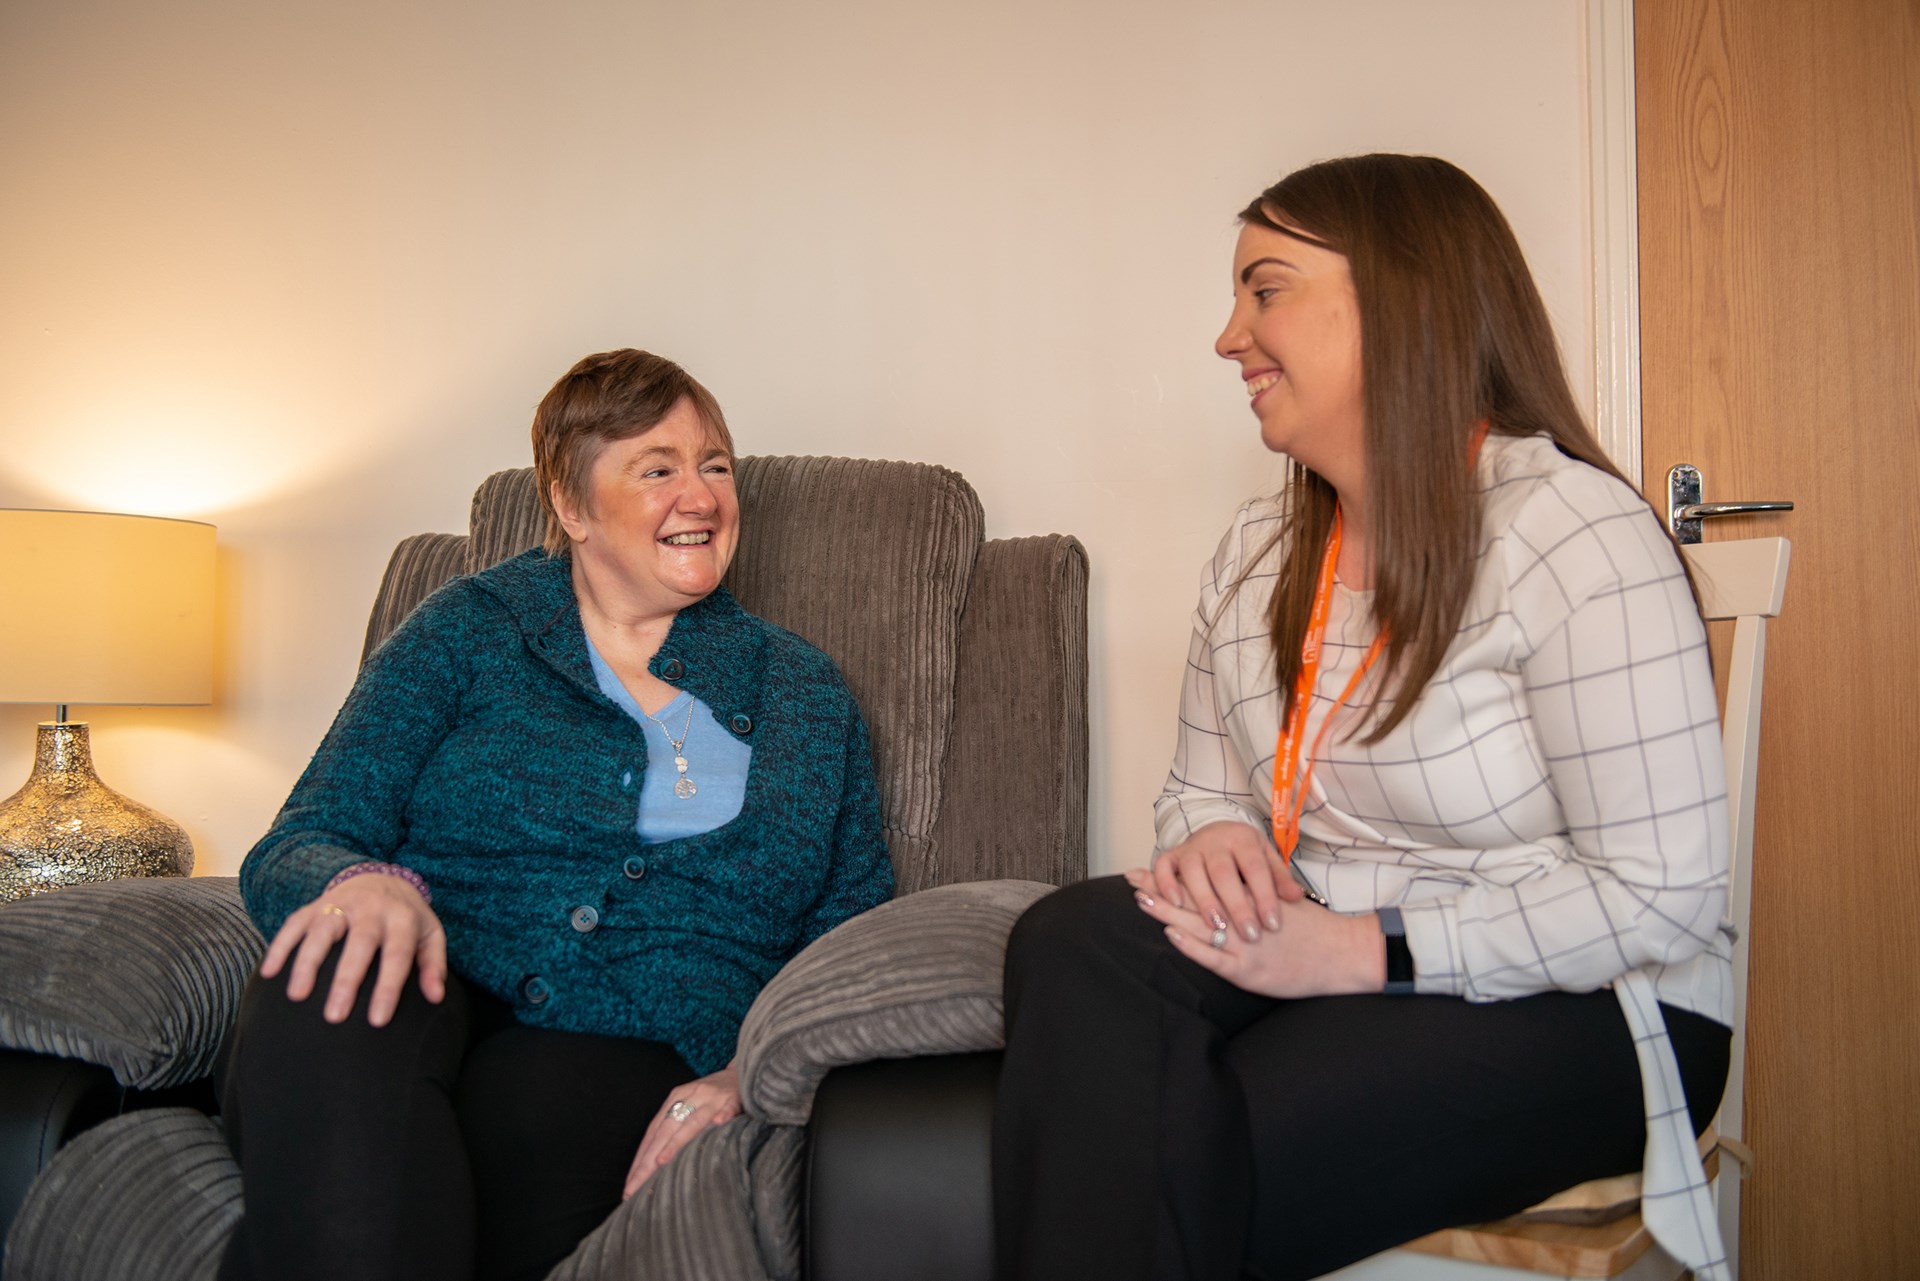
(1400,981)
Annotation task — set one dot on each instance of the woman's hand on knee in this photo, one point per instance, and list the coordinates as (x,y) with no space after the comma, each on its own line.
(1315,952)
(387,927)
(691,1108)
(1227,873)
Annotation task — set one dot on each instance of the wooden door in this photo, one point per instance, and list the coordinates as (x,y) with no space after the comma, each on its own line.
(1779,178)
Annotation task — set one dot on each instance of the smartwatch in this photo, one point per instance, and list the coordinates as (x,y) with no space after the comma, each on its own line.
(1399,955)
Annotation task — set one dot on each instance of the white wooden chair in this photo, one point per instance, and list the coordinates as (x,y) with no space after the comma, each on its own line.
(1744,581)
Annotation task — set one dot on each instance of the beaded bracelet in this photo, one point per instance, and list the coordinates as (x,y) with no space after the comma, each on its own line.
(406,874)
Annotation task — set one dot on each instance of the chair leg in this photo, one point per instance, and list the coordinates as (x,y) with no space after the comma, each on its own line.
(1726,1198)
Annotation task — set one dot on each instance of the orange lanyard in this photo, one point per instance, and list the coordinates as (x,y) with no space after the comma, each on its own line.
(1288,800)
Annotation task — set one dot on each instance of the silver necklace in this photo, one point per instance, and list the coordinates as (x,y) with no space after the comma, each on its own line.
(683,786)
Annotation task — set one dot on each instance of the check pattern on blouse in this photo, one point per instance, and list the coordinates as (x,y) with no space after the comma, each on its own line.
(1552,813)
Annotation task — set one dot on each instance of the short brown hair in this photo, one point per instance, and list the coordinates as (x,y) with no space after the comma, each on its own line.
(609,396)
(1452,334)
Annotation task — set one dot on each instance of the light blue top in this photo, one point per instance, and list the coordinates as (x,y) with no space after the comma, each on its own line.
(716,764)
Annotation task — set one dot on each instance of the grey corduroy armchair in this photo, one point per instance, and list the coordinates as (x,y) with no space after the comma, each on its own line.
(968,657)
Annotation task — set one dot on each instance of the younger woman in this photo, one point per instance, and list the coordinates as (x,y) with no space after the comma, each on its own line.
(1435,924)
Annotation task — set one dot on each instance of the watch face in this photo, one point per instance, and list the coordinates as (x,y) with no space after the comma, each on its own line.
(1399,960)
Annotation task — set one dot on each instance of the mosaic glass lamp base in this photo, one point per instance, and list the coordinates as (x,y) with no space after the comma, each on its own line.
(65,826)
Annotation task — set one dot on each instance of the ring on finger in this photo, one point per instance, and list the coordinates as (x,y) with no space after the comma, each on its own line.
(333,909)
(680,1110)
(1218,938)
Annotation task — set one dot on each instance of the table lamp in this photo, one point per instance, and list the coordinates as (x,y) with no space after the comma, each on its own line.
(96,608)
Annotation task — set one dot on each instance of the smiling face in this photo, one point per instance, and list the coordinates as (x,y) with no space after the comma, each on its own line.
(661,519)
(1295,333)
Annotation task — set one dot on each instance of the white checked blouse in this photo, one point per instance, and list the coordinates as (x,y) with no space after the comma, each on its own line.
(1553,812)
(1551,815)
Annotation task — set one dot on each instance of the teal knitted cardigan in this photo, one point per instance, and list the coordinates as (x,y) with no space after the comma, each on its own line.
(477,749)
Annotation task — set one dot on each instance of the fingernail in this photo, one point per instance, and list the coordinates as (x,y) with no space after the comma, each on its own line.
(1273,920)
(1144,900)
(1250,934)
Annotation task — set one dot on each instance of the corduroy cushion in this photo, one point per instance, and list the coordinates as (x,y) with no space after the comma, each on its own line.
(869,560)
(872,562)
(1015,784)
(504,520)
(141,976)
(153,1195)
(918,975)
(727,1208)
(418,565)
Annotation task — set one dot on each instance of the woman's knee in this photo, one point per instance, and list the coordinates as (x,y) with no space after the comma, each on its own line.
(1076,917)
(1079,931)
(275,1032)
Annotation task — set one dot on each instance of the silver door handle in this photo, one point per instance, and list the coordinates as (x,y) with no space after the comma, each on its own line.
(1685,511)
(1694,511)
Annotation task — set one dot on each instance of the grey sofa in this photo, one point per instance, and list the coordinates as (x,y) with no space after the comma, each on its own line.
(968,657)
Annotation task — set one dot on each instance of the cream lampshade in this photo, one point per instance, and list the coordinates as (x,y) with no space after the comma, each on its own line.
(96,608)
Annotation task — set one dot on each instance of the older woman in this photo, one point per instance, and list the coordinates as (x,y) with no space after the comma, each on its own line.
(593,805)
(1435,927)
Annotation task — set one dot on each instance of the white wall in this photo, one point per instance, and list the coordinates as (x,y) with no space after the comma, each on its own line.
(303,271)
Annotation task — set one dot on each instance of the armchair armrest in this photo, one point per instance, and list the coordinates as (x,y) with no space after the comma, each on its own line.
(919,975)
(899,1171)
(141,977)
(43,1103)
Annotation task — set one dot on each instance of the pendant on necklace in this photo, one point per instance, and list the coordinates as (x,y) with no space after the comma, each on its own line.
(683,786)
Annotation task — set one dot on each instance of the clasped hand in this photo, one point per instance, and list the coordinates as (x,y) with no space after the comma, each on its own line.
(1226,883)
(378,916)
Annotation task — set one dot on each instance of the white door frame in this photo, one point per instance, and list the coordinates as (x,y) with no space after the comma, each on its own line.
(1615,225)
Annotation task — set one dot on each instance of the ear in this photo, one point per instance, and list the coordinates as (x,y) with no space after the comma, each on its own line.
(571,518)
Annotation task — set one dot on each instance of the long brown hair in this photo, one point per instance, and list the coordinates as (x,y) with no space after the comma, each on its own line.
(1452,334)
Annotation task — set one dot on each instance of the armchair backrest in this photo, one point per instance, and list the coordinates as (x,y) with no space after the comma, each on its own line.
(968,658)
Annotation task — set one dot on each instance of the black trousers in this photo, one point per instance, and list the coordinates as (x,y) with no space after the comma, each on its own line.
(1154,1121)
(450,1144)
